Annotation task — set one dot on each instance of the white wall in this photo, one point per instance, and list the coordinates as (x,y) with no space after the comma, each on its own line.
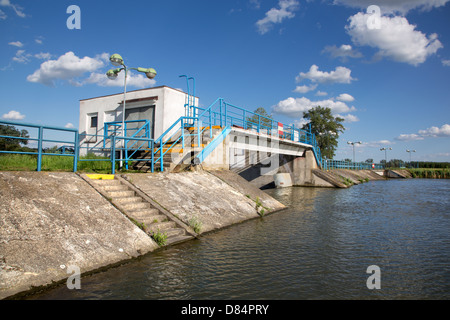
(169,106)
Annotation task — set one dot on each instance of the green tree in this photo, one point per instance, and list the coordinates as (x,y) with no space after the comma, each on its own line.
(326,127)
(266,121)
(12,144)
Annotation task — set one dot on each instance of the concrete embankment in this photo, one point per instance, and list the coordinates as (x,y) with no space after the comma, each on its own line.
(50,221)
(344,178)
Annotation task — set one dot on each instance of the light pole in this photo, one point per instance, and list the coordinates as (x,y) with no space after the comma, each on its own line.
(353,144)
(112,74)
(410,151)
(385,155)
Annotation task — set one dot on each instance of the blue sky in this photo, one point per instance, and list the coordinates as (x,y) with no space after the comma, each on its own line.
(386,72)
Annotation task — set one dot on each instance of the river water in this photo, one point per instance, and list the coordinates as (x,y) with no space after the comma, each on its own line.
(319,248)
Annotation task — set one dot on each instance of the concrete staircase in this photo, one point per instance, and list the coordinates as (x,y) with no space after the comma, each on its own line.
(176,159)
(138,209)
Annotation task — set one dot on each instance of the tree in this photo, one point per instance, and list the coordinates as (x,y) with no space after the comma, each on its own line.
(326,127)
(12,144)
(266,121)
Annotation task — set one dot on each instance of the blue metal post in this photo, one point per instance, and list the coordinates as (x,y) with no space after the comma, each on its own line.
(113,155)
(75,154)
(40,137)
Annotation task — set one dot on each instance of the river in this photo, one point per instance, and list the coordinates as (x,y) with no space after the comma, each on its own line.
(319,248)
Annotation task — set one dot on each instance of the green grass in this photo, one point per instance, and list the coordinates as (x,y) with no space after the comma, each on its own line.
(430,173)
(25,162)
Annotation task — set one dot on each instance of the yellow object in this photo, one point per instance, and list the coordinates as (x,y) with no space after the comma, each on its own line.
(101,176)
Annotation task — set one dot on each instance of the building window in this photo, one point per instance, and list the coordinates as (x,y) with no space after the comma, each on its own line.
(94,121)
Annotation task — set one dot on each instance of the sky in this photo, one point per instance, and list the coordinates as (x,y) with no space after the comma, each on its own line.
(382,65)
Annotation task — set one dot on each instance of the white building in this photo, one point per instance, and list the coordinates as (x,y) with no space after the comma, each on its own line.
(161,106)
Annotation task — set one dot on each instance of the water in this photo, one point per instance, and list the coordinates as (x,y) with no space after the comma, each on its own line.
(320,248)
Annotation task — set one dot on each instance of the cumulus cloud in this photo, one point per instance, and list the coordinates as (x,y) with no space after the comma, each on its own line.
(446,63)
(136,80)
(305,88)
(69,125)
(432,132)
(343,52)
(396,38)
(391,6)
(294,107)
(339,75)
(13,115)
(21,56)
(66,67)
(277,15)
(321,93)
(345,97)
(348,117)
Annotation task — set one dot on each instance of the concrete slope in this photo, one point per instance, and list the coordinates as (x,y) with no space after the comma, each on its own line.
(49,221)
(197,196)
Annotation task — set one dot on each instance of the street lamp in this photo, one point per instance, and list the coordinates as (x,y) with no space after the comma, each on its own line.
(117,60)
(410,151)
(353,144)
(385,155)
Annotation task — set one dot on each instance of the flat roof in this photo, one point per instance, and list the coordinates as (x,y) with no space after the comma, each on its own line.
(121,93)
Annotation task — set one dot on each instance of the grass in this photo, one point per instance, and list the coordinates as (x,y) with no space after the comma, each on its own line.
(160,238)
(25,162)
(195,224)
(430,173)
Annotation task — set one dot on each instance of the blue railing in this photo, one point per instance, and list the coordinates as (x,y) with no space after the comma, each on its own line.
(328,164)
(42,130)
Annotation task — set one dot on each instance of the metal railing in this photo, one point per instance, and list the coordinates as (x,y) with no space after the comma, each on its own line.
(328,164)
(42,130)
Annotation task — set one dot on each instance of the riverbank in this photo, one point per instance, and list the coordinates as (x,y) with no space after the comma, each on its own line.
(53,220)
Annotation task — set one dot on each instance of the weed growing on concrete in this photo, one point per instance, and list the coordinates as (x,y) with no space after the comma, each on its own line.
(160,238)
(195,224)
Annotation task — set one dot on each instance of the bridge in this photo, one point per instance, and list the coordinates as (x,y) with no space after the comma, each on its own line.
(221,136)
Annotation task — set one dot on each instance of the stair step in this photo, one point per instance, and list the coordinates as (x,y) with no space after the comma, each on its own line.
(161,226)
(175,232)
(135,206)
(115,187)
(121,194)
(178,239)
(152,219)
(107,182)
(127,200)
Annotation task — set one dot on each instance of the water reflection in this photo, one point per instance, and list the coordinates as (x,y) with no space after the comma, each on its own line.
(319,248)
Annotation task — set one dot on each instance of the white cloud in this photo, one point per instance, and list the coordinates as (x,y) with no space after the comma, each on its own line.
(16,44)
(321,93)
(345,97)
(13,115)
(17,9)
(390,6)
(443,131)
(43,55)
(3,15)
(136,80)
(339,75)
(396,39)
(409,137)
(446,63)
(377,144)
(274,15)
(348,118)
(21,56)
(305,89)
(66,67)
(432,132)
(343,52)
(69,125)
(295,107)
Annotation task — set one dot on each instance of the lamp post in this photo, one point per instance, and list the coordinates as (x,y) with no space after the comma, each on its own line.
(410,151)
(112,74)
(353,144)
(385,155)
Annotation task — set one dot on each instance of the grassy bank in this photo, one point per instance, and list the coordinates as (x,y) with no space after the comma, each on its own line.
(430,173)
(23,162)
